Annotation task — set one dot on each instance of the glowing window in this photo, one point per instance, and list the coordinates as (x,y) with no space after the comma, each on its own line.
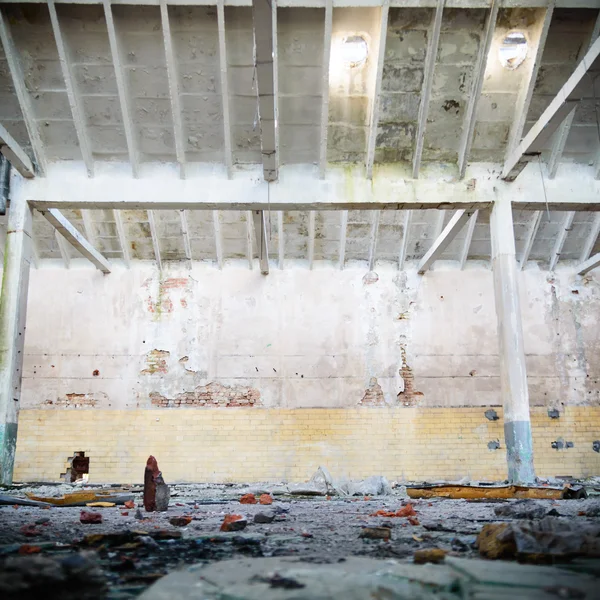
(513,50)
(354,51)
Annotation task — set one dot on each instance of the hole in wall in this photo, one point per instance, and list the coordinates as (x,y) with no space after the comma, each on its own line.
(513,50)
(354,50)
(78,469)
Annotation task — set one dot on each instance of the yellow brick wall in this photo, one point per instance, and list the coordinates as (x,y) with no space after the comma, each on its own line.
(239,444)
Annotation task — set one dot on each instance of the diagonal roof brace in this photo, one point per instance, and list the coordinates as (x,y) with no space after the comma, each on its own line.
(563,103)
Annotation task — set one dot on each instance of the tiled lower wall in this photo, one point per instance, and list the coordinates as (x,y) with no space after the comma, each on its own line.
(239,444)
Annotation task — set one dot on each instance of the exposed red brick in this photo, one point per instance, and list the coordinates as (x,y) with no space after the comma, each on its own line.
(157,362)
(373,395)
(174,282)
(210,395)
(73,401)
(410,396)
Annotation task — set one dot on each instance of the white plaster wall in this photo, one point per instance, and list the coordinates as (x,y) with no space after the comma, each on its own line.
(302,338)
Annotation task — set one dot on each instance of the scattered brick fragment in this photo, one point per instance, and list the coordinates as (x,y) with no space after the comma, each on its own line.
(29,549)
(89,518)
(265,499)
(233,523)
(29,530)
(405,511)
(180,521)
(413,520)
(125,514)
(431,555)
(248,499)
(376,533)
(130,504)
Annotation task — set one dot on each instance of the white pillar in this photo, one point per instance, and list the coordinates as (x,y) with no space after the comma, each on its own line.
(13,309)
(513,375)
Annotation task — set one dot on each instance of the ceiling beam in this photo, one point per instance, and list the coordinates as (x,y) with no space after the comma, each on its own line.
(88,227)
(536,219)
(280,239)
(122,236)
(311,239)
(15,155)
(18,80)
(325,88)
(376,101)
(343,235)
(560,240)
(154,236)
(558,110)
(224,87)
(72,93)
(432,49)
(470,119)
(376,214)
(187,248)
(260,231)
(122,90)
(468,237)
(591,239)
(562,135)
(173,80)
(405,239)
(68,232)
(344,188)
(218,238)
(264,17)
(63,248)
(588,265)
(455,224)
(526,90)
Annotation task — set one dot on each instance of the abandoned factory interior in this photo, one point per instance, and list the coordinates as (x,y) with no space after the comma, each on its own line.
(300,299)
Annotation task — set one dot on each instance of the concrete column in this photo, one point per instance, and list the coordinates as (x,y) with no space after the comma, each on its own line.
(13,308)
(513,375)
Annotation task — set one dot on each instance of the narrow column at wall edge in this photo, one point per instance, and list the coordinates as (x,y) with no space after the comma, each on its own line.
(513,373)
(13,309)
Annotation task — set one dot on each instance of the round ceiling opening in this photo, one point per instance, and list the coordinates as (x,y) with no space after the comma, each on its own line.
(513,50)
(354,50)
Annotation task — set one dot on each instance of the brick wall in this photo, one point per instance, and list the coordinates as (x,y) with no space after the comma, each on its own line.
(246,444)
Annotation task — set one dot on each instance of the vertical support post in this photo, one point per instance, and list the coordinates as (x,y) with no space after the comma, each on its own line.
(513,374)
(13,309)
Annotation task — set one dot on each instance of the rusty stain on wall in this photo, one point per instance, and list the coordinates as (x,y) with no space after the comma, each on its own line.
(212,395)
(162,303)
(157,362)
(373,394)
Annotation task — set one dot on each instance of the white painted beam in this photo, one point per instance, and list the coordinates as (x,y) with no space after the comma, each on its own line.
(15,155)
(280,239)
(536,219)
(69,188)
(16,73)
(260,231)
(218,238)
(468,237)
(67,231)
(588,265)
(224,87)
(63,248)
(376,100)
(249,238)
(173,79)
(470,119)
(561,238)
(88,227)
(455,224)
(325,88)
(376,214)
(311,239)
(155,242)
(187,248)
(526,90)
(72,93)
(13,310)
(405,239)
(513,370)
(591,239)
(343,235)
(122,89)
(264,16)
(432,49)
(122,236)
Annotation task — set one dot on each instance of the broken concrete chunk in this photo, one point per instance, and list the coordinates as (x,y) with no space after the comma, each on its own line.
(491,415)
(233,523)
(521,509)
(430,555)
(156,491)
(181,521)
(265,517)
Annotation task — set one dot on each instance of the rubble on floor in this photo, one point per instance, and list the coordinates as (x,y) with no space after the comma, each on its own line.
(133,548)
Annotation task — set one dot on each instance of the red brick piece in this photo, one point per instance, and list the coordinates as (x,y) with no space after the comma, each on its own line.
(265,499)
(248,499)
(88,518)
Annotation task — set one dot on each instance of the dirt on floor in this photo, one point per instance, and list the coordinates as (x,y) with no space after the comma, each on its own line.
(130,549)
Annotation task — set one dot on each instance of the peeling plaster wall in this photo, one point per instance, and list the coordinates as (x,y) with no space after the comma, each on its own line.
(297,338)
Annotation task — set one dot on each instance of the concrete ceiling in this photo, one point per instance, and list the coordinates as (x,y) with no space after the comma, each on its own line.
(96,109)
